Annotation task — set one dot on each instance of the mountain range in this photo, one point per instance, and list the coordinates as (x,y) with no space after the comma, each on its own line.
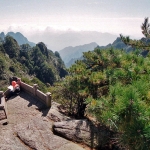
(57,40)
(118,44)
(20,38)
(70,54)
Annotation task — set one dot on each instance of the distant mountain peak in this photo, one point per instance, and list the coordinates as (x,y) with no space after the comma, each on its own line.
(19,37)
(72,53)
(2,35)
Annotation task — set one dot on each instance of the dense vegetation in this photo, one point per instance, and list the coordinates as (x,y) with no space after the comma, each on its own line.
(29,62)
(114,87)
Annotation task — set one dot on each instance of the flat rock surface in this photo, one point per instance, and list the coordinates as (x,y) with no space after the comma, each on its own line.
(29,128)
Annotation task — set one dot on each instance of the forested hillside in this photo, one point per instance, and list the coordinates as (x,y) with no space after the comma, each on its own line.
(28,63)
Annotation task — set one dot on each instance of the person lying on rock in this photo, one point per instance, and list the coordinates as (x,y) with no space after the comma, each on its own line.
(14,88)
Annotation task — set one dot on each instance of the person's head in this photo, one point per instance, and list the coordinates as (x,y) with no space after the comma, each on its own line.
(13,83)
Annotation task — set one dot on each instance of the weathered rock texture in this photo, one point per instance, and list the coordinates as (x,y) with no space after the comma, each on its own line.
(37,134)
(83,131)
(29,128)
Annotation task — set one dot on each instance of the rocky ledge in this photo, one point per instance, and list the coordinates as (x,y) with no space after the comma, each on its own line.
(37,134)
(31,126)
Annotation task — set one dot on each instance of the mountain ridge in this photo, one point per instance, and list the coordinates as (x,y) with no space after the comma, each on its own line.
(70,52)
(19,37)
(57,40)
(70,58)
(118,44)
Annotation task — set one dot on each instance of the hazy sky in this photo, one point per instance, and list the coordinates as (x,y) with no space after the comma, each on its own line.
(113,16)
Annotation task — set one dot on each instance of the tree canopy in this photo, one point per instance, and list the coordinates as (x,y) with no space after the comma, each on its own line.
(35,61)
(114,87)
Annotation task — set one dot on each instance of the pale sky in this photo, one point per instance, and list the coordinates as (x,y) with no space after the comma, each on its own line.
(112,16)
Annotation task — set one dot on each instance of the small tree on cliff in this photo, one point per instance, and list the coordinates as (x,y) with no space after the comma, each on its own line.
(143,44)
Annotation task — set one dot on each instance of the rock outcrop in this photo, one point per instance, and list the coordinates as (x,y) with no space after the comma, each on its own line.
(37,134)
(83,131)
(30,127)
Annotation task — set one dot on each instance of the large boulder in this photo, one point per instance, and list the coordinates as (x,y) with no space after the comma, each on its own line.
(83,131)
(37,134)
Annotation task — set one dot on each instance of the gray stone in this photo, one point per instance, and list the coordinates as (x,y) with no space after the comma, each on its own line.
(82,131)
(37,134)
(9,141)
(28,128)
